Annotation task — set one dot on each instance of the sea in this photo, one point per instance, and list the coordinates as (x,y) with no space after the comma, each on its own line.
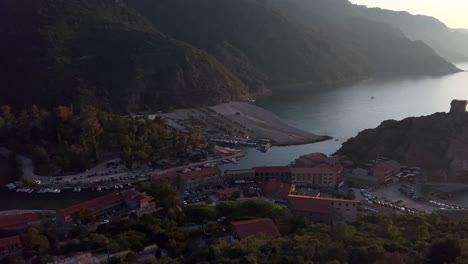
(342,112)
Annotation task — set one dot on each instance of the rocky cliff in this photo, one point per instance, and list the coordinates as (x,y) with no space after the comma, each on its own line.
(437,143)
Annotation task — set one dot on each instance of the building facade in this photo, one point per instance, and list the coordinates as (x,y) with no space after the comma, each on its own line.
(17,224)
(323,209)
(385,170)
(322,175)
(277,173)
(239,176)
(10,246)
(255,227)
(124,201)
(200,179)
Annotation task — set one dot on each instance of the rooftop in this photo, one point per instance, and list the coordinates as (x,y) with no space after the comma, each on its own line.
(228,191)
(314,204)
(235,172)
(4,242)
(321,168)
(15,220)
(255,227)
(91,204)
(278,189)
(273,169)
(136,196)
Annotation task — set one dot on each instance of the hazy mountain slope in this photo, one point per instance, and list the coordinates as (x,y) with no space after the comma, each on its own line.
(255,42)
(386,49)
(99,52)
(450,44)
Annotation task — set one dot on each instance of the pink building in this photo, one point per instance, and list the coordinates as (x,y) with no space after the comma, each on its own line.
(323,209)
(322,175)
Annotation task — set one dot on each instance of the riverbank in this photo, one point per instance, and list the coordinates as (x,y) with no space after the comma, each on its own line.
(243,120)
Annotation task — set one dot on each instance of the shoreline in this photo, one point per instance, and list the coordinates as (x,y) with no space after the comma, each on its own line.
(241,120)
(305,142)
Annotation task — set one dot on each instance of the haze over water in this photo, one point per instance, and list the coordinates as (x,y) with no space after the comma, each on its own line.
(343,112)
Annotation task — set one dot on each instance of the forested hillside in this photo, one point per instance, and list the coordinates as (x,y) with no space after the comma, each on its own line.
(100,53)
(255,42)
(145,55)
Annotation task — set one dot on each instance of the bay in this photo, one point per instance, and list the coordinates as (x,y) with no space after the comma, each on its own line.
(342,112)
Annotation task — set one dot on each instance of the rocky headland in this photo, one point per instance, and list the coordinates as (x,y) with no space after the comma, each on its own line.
(437,143)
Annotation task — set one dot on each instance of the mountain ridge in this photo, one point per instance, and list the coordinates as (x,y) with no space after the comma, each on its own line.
(141,55)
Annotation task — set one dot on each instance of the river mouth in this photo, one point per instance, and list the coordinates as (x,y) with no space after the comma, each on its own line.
(342,112)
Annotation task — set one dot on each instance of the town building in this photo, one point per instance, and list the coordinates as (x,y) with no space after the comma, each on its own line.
(359,180)
(277,190)
(228,193)
(323,209)
(84,258)
(16,224)
(278,173)
(314,159)
(239,176)
(125,201)
(171,177)
(138,200)
(321,175)
(200,179)
(10,246)
(255,227)
(385,170)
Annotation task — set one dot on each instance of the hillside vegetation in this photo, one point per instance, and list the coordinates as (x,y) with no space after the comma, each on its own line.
(103,54)
(141,55)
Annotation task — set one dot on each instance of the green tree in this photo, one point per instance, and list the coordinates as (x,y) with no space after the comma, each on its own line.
(445,250)
(416,229)
(8,117)
(386,229)
(200,213)
(35,241)
(85,216)
(98,241)
(195,136)
(165,194)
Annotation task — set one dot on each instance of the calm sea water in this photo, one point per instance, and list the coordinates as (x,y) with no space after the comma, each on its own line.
(344,111)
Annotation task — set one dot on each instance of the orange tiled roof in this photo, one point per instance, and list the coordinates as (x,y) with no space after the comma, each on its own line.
(15,220)
(278,189)
(255,227)
(136,196)
(228,191)
(91,204)
(273,169)
(321,168)
(7,241)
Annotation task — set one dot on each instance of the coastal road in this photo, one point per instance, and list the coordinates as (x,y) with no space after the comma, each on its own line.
(81,179)
(391,193)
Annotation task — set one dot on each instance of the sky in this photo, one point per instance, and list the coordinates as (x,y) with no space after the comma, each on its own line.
(454,13)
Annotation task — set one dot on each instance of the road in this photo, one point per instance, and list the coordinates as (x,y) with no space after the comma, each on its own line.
(81,179)
(392,194)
